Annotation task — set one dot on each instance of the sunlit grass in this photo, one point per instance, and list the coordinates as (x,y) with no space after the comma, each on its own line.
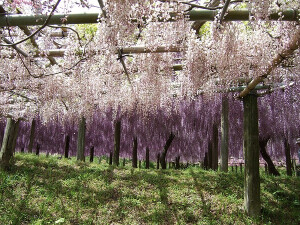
(48,190)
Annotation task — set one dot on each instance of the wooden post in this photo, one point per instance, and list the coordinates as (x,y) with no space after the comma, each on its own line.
(140,164)
(215,148)
(251,153)
(205,161)
(117,143)
(134,153)
(7,148)
(124,161)
(110,158)
(31,138)
(15,136)
(147,158)
(157,162)
(295,166)
(92,154)
(67,146)
(165,151)
(177,163)
(236,168)
(287,151)
(241,167)
(81,140)
(209,155)
(22,150)
(37,152)
(266,169)
(224,135)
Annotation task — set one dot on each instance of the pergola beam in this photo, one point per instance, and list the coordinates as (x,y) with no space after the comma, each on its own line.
(125,50)
(83,18)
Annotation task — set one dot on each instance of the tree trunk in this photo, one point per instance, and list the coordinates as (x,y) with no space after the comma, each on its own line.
(37,152)
(224,135)
(92,154)
(165,151)
(287,150)
(157,162)
(251,153)
(215,148)
(116,156)
(81,140)
(31,138)
(262,147)
(124,161)
(67,146)
(8,143)
(147,158)
(134,153)
(22,150)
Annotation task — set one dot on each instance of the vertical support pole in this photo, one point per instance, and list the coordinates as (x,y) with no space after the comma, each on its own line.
(67,146)
(205,161)
(92,154)
(215,148)
(288,161)
(157,162)
(110,158)
(22,150)
(147,158)
(224,135)
(124,161)
(37,152)
(31,138)
(251,153)
(117,143)
(177,162)
(7,148)
(81,140)
(209,155)
(15,136)
(134,153)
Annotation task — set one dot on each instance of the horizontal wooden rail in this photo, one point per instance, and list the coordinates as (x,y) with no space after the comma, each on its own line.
(83,18)
(125,50)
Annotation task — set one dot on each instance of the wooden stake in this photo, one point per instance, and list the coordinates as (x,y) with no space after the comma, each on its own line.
(117,143)
(67,146)
(147,158)
(81,140)
(31,138)
(92,154)
(134,153)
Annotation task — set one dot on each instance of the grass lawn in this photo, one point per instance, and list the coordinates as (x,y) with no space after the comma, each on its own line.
(47,190)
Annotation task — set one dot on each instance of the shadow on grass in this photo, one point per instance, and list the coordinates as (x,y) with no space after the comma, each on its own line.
(55,185)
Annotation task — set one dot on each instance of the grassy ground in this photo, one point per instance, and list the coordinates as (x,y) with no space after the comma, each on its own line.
(41,190)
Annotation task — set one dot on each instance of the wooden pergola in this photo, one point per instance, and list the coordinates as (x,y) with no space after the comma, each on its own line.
(247,94)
